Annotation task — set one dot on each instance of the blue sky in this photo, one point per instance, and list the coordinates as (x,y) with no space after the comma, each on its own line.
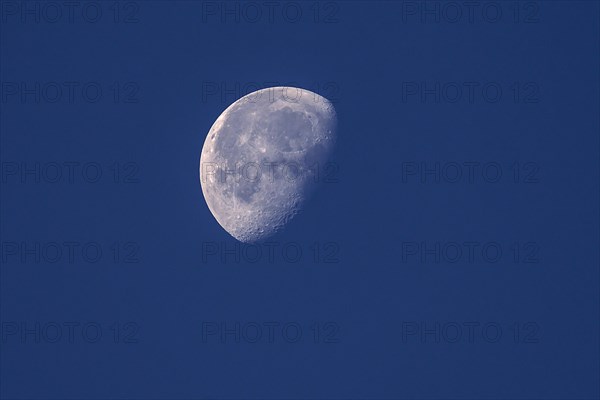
(453,254)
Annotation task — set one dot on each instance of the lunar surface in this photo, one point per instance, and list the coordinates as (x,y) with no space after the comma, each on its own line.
(263,157)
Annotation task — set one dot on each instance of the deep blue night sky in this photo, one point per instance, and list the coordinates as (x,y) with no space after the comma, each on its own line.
(454,254)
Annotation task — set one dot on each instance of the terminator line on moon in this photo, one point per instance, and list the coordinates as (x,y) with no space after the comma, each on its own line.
(258,162)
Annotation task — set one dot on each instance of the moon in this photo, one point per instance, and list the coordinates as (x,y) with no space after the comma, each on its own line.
(262,158)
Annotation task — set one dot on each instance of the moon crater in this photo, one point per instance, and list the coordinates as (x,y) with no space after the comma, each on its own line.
(262,158)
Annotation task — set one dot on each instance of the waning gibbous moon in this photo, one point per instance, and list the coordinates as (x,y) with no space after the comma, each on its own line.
(262,158)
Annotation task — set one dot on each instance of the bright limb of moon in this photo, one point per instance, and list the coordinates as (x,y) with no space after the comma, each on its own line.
(263,156)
